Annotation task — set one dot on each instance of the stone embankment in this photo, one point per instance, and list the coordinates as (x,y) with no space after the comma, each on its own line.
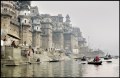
(18,56)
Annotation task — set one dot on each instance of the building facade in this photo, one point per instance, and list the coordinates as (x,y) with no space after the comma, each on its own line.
(57,37)
(9,22)
(46,35)
(23,23)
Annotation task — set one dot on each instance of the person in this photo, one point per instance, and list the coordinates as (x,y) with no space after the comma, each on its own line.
(25,43)
(84,57)
(13,44)
(5,40)
(32,50)
(29,54)
(96,59)
(38,60)
(109,55)
(46,49)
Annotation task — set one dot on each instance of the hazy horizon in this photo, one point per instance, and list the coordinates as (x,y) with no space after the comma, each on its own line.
(98,20)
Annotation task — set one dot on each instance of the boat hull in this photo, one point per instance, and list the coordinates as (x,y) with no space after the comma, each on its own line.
(83,59)
(54,61)
(107,58)
(95,63)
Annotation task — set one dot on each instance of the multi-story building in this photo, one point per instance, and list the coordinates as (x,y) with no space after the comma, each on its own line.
(25,22)
(20,21)
(9,21)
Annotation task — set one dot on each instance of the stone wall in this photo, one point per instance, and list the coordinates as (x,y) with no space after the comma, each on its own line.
(67,41)
(26,35)
(46,35)
(36,39)
(5,25)
(58,40)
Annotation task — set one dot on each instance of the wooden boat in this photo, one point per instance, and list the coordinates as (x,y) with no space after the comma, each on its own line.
(95,63)
(83,59)
(54,60)
(107,57)
(83,62)
(109,61)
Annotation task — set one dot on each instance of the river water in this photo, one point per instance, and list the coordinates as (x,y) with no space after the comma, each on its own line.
(69,68)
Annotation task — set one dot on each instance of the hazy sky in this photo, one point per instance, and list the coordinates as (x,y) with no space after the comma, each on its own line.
(98,20)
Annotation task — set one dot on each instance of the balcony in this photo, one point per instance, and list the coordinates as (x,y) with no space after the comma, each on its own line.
(6,13)
(26,24)
(8,3)
(24,16)
(38,31)
(57,30)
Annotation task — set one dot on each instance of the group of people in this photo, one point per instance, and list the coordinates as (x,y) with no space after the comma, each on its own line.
(4,42)
(96,59)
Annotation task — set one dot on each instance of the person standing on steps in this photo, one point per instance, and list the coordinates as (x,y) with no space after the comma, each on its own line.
(29,54)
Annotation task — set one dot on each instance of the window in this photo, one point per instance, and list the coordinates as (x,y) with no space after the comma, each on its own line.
(25,21)
(5,9)
(25,13)
(18,19)
(37,27)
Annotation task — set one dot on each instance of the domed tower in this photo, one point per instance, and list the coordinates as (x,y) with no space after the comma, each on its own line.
(7,12)
(36,26)
(25,21)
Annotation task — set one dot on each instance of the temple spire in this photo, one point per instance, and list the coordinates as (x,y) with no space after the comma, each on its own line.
(68,19)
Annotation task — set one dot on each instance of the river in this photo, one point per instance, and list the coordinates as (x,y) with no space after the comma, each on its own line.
(69,68)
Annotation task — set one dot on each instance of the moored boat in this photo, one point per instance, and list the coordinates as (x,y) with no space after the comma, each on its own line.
(54,60)
(107,57)
(109,61)
(83,59)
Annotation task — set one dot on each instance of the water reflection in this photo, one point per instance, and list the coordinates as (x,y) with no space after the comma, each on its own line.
(71,68)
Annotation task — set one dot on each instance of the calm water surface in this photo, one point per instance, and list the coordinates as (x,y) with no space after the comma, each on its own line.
(71,68)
